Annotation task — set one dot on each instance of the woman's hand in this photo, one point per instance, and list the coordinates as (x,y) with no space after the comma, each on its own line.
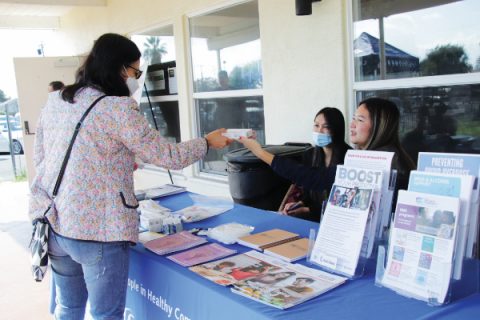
(216,140)
(251,144)
(256,149)
(294,209)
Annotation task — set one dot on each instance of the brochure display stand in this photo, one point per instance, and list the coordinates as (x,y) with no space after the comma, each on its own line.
(459,164)
(423,253)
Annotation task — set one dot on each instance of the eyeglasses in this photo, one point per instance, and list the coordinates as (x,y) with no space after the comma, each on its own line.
(138,73)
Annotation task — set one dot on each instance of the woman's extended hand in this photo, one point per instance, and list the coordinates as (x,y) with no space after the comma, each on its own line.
(256,149)
(216,140)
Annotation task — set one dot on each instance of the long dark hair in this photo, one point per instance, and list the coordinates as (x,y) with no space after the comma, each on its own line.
(103,67)
(385,119)
(336,124)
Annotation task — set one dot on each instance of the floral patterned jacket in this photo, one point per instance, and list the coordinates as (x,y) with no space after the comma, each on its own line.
(96,199)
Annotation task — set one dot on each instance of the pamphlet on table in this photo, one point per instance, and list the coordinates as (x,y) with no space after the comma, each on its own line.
(229,270)
(286,286)
(290,251)
(267,239)
(201,254)
(174,242)
(421,246)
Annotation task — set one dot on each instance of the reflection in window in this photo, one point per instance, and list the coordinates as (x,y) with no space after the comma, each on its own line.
(411,38)
(436,119)
(226,49)
(226,58)
(156,47)
(245,112)
(164,117)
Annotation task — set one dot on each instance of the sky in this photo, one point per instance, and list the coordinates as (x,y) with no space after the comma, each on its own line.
(22,43)
(420,31)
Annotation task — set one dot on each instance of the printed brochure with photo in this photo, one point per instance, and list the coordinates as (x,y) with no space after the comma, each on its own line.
(377,160)
(229,270)
(343,227)
(286,286)
(457,186)
(348,175)
(421,246)
(460,164)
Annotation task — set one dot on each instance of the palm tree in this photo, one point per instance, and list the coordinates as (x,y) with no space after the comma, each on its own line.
(154,50)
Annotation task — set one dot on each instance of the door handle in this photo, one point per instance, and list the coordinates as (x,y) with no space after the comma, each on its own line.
(27,129)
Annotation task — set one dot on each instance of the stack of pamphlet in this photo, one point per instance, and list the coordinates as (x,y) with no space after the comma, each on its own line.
(421,246)
(267,239)
(269,280)
(174,242)
(459,164)
(146,236)
(290,251)
(162,191)
(377,161)
(453,186)
(201,254)
(343,230)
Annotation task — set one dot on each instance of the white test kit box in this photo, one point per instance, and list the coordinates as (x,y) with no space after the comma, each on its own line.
(237,133)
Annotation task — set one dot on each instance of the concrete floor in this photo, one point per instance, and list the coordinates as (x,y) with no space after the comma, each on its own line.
(21,297)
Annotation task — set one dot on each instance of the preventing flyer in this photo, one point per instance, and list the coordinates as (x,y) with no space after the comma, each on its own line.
(422,242)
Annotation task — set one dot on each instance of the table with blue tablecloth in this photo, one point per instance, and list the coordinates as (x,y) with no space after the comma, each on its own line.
(161,289)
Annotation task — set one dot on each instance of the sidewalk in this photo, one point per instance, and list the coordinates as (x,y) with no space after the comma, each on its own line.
(21,297)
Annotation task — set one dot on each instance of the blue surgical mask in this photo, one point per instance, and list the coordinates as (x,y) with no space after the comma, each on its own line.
(321,139)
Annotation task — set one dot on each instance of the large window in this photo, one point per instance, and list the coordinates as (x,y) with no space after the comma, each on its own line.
(159,101)
(412,38)
(227,74)
(424,56)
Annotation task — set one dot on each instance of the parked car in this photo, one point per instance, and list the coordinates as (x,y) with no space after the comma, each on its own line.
(16,134)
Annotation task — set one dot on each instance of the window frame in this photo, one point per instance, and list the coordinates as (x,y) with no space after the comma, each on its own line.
(402,83)
(193,96)
(160,99)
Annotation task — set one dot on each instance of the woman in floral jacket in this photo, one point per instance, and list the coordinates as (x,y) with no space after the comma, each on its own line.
(94,220)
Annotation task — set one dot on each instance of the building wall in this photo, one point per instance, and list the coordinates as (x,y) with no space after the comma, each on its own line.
(304,62)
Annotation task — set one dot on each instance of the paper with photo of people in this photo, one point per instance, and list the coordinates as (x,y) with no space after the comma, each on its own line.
(421,246)
(286,286)
(344,224)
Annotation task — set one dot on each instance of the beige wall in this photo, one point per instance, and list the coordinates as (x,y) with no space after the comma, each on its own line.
(304,60)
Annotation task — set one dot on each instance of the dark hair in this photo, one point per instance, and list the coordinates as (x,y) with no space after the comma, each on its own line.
(385,119)
(56,85)
(336,124)
(103,67)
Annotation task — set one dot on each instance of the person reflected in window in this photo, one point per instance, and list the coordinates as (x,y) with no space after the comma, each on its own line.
(223,80)
(94,220)
(441,128)
(317,175)
(415,140)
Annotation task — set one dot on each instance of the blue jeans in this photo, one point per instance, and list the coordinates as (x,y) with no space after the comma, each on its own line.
(87,270)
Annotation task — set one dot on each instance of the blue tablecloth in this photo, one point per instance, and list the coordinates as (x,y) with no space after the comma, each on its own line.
(161,289)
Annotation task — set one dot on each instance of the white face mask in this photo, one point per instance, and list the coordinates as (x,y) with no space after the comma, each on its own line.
(132,85)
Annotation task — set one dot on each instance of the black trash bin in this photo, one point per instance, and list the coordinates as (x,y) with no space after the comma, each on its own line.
(253,183)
